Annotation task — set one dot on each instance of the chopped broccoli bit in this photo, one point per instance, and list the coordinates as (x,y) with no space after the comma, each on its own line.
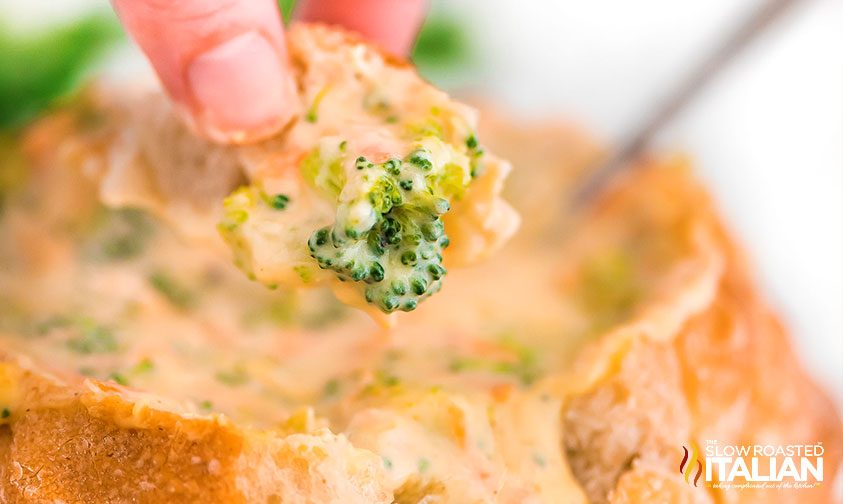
(387,379)
(279,201)
(5,413)
(323,169)
(241,205)
(423,465)
(331,388)
(305,273)
(609,287)
(118,378)
(279,312)
(177,294)
(236,376)
(53,322)
(312,114)
(389,235)
(471,142)
(525,367)
(328,313)
(144,366)
(206,405)
(120,234)
(92,338)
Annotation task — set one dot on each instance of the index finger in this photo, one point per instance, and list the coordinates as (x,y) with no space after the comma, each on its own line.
(223,62)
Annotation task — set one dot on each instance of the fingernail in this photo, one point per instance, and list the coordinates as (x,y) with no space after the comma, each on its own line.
(241,89)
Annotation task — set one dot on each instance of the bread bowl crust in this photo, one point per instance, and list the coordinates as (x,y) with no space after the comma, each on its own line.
(94,442)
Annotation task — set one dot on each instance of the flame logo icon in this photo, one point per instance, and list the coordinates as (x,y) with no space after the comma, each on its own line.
(686,467)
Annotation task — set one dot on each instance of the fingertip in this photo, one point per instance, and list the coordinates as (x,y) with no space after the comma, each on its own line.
(223,63)
(392,24)
(241,89)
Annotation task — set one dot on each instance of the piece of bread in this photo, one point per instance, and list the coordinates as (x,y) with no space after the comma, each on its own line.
(571,367)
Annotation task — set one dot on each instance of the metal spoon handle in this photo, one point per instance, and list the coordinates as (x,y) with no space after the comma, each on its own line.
(747,31)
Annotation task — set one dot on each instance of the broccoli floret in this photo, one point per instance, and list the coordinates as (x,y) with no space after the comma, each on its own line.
(246,201)
(388,235)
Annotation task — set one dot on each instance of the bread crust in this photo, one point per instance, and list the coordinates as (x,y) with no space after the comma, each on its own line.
(728,374)
(98,442)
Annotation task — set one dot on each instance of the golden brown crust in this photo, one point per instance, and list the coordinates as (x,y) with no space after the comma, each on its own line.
(728,375)
(100,443)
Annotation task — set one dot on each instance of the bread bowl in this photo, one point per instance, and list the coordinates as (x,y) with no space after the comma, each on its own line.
(572,366)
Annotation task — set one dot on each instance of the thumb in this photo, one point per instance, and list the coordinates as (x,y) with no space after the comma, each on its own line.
(223,62)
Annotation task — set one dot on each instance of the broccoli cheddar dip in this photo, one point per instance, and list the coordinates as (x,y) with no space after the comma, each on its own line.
(375,187)
(138,364)
(398,167)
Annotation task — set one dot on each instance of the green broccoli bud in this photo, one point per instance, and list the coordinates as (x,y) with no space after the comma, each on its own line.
(279,201)
(388,235)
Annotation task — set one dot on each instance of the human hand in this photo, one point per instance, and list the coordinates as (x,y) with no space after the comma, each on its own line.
(224,62)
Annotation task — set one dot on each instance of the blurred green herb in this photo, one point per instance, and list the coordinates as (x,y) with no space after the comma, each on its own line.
(174,291)
(525,367)
(331,388)
(91,337)
(278,312)
(144,366)
(328,313)
(443,44)
(35,70)
(423,465)
(118,378)
(610,289)
(234,377)
(118,234)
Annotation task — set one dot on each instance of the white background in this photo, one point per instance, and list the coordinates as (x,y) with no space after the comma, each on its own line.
(767,136)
